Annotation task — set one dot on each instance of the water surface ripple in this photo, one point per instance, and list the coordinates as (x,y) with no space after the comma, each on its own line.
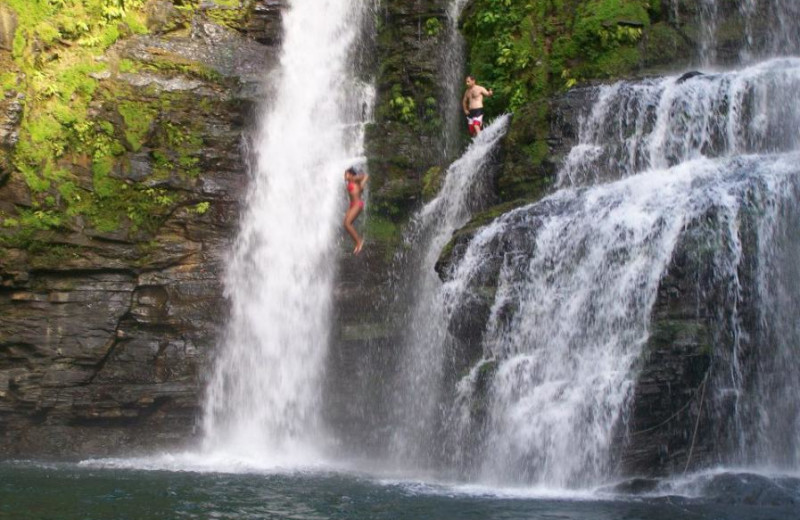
(34,491)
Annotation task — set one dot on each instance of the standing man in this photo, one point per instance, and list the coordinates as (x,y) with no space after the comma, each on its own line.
(472,103)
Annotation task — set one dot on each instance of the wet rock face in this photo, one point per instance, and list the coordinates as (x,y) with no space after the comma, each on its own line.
(10,116)
(104,335)
(264,24)
(406,138)
(400,148)
(672,384)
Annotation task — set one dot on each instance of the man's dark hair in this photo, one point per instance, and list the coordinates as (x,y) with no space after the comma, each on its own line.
(470,76)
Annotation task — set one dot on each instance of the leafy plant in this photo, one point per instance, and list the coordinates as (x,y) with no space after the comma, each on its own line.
(433,27)
(404,107)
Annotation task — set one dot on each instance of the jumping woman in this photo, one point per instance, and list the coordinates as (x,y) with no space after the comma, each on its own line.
(355,185)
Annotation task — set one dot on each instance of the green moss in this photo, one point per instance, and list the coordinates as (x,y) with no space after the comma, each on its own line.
(382,229)
(172,64)
(55,55)
(36,183)
(669,332)
(201,207)
(47,33)
(431,182)
(8,81)
(664,46)
(126,65)
(138,118)
(104,186)
(230,13)
(39,219)
(75,80)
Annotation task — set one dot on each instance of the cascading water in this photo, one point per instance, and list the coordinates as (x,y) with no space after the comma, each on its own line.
(768,419)
(577,275)
(708,29)
(464,192)
(765,28)
(661,123)
(572,281)
(451,78)
(263,401)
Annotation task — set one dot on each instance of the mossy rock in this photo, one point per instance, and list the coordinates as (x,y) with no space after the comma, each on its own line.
(162,17)
(432,181)
(463,235)
(664,47)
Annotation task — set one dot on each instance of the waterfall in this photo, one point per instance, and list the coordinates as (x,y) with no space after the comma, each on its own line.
(708,28)
(770,418)
(766,28)
(577,275)
(571,281)
(453,68)
(263,398)
(466,186)
(660,123)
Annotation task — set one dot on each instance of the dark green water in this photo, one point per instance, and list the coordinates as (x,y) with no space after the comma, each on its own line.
(65,492)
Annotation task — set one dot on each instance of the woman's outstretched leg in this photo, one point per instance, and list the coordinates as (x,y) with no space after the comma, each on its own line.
(349,218)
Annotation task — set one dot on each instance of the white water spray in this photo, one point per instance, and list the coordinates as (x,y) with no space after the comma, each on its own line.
(467,182)
(658,124)
(577,282)
(263,399)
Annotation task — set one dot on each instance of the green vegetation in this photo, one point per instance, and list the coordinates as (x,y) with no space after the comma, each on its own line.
(529,50)
(77,132)
(431,182)
(432,27)
(382,229)
(403,107)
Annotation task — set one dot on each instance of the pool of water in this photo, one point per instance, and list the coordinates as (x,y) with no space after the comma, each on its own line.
(104,491)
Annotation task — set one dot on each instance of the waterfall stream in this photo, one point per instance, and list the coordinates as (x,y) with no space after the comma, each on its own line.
(464,192)
(263,399)
(453,68)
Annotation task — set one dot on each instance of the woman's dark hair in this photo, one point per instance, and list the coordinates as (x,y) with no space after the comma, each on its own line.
(351,169)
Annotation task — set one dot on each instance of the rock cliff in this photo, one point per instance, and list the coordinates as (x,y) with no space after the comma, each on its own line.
(110,314)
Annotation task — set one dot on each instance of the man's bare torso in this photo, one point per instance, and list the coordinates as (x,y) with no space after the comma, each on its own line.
(475,96)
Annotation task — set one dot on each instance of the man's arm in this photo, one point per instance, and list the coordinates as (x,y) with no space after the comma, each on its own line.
(464,102)
(487,93)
